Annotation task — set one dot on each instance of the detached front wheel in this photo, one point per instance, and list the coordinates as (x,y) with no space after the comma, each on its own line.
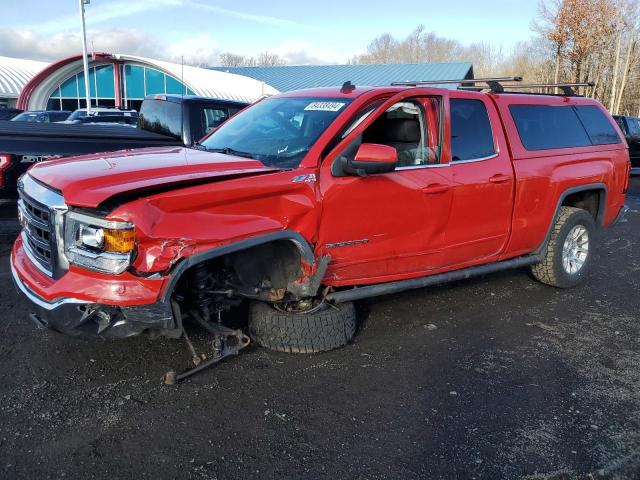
(566,259)
(321,329)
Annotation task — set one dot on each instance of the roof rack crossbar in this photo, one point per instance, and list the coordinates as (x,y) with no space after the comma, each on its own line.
(567,88)
(461,80)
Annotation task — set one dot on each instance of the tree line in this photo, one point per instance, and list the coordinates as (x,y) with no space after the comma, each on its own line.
(573,41)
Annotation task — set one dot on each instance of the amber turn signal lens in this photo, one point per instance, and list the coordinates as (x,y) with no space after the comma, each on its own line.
(119,241)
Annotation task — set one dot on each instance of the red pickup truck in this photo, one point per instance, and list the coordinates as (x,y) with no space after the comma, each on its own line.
(310,200)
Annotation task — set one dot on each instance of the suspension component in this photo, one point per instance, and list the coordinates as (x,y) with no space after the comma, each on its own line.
(226,343)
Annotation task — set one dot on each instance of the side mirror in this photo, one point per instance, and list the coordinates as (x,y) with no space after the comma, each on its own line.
(372,158)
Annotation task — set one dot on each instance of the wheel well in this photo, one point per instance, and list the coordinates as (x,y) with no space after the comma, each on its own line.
(589,200)
(262,271)
(277,262)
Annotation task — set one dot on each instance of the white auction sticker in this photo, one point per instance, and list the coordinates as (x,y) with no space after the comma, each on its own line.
(325,106)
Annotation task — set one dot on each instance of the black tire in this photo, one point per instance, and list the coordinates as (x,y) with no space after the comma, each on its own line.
(328,328)
(551,270)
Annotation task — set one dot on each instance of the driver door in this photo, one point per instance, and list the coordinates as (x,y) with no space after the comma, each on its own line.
(388,226)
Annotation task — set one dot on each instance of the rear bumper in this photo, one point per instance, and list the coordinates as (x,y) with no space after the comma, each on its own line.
(86,317)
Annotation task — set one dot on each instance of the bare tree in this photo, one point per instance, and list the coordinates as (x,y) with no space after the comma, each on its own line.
(269,59)
(228,59)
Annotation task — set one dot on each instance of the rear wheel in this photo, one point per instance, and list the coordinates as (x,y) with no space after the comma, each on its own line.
(320,329)
(566,259)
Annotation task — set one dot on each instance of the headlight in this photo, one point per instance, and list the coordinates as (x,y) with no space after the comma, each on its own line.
(98,244)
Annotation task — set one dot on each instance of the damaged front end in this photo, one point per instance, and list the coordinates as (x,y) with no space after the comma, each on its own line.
(79,318)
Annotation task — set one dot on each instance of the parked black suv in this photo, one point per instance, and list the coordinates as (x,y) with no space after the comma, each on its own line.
(630,126)
(8,113)
(42,116)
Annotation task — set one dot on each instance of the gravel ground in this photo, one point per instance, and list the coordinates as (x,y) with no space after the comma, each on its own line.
(497,377)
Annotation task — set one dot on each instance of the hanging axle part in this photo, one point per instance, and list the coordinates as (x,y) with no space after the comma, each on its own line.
(226,343)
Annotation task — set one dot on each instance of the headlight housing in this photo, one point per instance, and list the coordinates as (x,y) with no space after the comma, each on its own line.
(98,244)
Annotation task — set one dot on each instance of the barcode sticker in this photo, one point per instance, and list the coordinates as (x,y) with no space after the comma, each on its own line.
(325,106)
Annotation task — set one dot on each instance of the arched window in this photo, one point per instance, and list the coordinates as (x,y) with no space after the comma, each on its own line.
(136,83)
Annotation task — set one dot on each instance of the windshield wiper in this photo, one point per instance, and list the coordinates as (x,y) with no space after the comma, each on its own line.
(231,151)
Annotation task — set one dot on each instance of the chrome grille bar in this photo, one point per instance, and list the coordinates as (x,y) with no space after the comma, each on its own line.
(38,207)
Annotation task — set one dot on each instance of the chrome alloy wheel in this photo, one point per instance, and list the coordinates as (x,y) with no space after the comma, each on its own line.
(575,249)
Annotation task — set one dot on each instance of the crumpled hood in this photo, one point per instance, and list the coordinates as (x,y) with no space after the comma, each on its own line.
(89,180)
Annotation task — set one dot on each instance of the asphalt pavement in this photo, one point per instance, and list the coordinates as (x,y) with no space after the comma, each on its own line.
(490,378)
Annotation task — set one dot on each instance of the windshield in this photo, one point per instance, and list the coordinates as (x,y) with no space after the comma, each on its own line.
(277,131)
(26,117)
(77,114)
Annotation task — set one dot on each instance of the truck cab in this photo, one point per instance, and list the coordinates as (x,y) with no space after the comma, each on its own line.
(630,126)
(310,200)
(185,117)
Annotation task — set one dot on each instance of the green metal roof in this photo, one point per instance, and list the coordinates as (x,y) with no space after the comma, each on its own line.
(296,77)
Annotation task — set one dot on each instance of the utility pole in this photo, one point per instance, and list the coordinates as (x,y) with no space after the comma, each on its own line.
(85,60)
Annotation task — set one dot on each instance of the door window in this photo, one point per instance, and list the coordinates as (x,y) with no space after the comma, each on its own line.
(213,118)
(405,126)
(634,127)
(471,134)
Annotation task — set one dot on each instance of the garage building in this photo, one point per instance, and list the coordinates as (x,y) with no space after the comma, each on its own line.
(120,80)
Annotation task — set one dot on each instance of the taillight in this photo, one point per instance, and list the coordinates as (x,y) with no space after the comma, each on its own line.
(627,174)
(5,162)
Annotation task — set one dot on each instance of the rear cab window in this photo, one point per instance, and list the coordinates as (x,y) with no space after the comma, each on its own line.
(161,116)
(549,127)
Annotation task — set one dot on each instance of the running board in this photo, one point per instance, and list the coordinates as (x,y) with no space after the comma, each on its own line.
(414,283)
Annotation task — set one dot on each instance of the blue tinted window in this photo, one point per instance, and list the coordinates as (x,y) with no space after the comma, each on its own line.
(174,86)
(92,83)
(543,127)
(69,88)
(134,78)
(471,135)
(104,78)
(600,130)
(155,81)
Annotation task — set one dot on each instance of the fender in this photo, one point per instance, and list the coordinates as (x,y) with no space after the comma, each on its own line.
(602,206)
(303,246)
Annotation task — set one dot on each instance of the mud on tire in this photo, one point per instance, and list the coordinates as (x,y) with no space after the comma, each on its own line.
(551,270)
(319,331)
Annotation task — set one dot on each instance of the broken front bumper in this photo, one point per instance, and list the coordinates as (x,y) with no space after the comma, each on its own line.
(80,318)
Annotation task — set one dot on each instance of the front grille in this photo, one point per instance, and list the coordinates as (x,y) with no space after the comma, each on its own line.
(38,232)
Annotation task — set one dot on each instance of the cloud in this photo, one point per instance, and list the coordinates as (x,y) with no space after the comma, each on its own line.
(198,50)
(300,52)
(103,12)
(264,19)
(29,44)
(201,50)
(98,13)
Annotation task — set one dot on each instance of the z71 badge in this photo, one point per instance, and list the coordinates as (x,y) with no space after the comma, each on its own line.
(305,178)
